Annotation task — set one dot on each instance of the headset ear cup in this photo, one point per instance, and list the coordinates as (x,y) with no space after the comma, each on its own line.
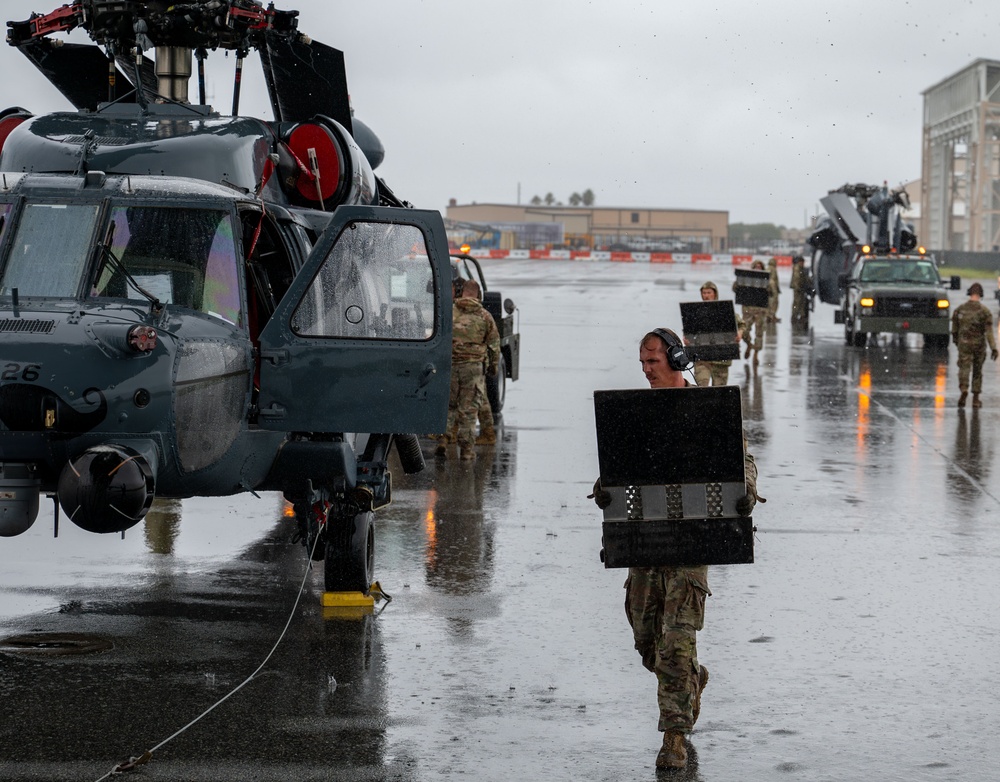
(677,355)
(677,358)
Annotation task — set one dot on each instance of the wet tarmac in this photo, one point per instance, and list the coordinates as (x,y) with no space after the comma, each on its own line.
(861,644)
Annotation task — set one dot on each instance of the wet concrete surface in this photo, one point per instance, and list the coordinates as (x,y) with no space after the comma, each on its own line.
(861,644)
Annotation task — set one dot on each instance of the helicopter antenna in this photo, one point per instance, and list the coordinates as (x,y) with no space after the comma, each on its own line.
(87,148)
(241,54)
(200,54)
(142,42)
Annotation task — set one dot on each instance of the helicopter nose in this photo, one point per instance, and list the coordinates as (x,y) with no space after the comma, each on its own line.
(107,488)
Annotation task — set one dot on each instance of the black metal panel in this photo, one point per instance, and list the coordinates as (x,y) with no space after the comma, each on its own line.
(669,436)
(305,79)
(514,361)
(147,74)
(710,328)
(727,351)
(78,71)
(687,542)
(750,288)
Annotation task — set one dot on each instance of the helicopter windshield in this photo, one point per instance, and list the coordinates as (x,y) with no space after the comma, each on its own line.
(50,250)
(182,256)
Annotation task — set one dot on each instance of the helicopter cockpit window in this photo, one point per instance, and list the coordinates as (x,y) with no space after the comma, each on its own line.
(182,256)
(377,283)
(50,251)
(4,218)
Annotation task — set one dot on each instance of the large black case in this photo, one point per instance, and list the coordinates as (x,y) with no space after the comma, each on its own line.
(673,461)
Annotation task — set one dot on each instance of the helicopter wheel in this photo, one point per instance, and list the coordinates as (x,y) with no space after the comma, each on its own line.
(496,388)
(350,553)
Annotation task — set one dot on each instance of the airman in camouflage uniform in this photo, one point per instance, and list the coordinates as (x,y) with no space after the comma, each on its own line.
(971,328)
(715,373)
(773,291)
(665,606)
(754,319)
(475,344)
(800,286)
(487,432)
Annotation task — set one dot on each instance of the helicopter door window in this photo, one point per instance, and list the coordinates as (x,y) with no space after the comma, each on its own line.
(377,283)
(182,256)
(50,250)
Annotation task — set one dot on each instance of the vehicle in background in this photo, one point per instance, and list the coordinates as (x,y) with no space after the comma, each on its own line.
(466,267)
(898,294)
(865,259)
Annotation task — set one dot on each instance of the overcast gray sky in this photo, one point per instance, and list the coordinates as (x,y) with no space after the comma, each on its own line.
(758,108)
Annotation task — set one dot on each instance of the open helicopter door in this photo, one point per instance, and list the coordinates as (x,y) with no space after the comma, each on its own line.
(361,341)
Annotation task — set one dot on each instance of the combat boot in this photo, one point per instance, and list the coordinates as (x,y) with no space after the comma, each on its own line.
(976,402)
(488,436)
(672,754)
(442,446)
(962,398)
(467,453)
(702,681)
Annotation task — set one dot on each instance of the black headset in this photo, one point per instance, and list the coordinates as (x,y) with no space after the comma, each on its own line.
(677,355)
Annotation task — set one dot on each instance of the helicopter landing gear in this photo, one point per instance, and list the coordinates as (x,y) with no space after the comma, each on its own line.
(350,553)
(346,543)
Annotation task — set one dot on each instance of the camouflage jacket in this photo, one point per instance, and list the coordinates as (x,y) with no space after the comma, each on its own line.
(970,323)
(800,278)
(474,335)
(773,289)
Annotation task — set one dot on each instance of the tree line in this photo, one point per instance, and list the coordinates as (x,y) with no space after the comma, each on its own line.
(586,198)
(740,233)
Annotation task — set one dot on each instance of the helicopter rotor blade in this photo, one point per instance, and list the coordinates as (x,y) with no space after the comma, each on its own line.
(78,71)
(305,79)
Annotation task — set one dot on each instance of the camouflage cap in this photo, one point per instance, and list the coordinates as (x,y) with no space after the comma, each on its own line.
(976,289)
(711,286)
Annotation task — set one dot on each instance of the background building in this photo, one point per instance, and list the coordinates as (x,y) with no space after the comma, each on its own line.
(960,182)
(508,226)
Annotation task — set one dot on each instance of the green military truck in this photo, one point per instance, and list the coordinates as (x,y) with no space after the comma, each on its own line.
(466,267)
(895,294)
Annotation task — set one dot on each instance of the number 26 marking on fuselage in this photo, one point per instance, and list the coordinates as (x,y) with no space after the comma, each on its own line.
(25,372)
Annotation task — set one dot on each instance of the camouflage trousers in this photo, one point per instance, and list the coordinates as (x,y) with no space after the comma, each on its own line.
(800,308)
(666,608)
(463,405)
(754,318)
(484,412)
(715,373)
(970,359)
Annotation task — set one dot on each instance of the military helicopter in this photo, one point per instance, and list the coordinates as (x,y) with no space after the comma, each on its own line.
(194,304)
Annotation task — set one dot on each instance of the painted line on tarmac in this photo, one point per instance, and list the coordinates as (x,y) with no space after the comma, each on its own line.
(964,473)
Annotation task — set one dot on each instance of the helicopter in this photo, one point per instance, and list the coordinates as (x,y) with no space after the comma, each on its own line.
(197,304)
